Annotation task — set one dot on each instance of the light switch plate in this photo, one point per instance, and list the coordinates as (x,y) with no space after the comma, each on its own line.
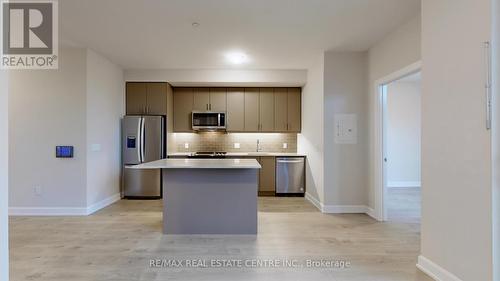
(95,147)
(236,145)
(186,145)
(285,145)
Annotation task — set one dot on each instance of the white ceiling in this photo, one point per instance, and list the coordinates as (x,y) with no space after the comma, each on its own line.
(276,34)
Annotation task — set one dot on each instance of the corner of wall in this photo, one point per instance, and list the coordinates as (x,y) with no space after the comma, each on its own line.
(105,97)
(310,141)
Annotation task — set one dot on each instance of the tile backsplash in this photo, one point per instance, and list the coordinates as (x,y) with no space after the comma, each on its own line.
(217,141)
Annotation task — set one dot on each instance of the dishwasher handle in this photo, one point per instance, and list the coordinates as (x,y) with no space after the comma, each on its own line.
(293,160)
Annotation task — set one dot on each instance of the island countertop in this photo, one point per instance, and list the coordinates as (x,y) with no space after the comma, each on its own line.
(199,164)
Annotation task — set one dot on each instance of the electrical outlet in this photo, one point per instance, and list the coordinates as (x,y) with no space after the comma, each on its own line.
(285,145)
(236,145)
(186,145)
(38,190)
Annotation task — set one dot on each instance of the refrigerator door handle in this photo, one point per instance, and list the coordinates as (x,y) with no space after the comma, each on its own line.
(139,141)
(143,140)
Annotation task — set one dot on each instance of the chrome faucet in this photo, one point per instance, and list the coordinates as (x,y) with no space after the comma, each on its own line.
(259,148)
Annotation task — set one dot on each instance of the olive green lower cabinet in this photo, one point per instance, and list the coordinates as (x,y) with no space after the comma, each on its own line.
(267,176)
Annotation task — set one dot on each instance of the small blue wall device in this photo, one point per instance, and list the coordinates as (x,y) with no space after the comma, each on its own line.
(64,151)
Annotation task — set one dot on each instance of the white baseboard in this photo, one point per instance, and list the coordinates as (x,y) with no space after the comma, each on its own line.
(435,271)
(47,211)
(63,211)
(404,184)
(314,201)
(371,213)
(103,203)
(345,209)
(340,209)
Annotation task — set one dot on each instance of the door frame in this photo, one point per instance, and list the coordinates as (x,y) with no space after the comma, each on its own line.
(380,167)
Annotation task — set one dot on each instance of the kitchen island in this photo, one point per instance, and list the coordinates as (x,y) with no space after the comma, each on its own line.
(208,196)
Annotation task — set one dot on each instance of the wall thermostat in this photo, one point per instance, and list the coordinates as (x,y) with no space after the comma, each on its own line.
(64,151)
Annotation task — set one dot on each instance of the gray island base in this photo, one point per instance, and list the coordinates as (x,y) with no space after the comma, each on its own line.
(208,196)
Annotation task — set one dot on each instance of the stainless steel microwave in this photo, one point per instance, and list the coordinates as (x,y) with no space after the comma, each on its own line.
(203,120)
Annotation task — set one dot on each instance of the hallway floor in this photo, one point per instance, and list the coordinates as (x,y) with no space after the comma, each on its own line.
(404,204)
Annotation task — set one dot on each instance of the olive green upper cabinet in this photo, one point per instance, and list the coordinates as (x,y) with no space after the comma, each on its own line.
(294,110)
(206,99)
(146,98)
(252,110)
(218,99)
(136,98)
(280,109)
(156,99)
(235,110)
(201,100)
(266,110)
(247,109)
(183,107)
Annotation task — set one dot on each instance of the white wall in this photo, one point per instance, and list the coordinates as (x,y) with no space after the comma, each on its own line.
(4,182)
(221,77)
(456,147)
(496,138)
(310,141)
(403,134)
(345,165)
(79,104)
(105,108)
(396,51)
(48,108)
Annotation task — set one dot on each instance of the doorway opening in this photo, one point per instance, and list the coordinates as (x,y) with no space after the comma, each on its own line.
(401,124)
(399,194)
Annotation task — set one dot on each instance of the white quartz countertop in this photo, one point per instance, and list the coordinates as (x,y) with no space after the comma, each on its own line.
(199,164)
(246,154)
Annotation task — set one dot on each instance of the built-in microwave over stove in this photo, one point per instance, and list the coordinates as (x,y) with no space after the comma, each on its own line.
(202,120)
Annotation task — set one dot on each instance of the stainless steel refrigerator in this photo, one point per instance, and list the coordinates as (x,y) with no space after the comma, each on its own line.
(143,141)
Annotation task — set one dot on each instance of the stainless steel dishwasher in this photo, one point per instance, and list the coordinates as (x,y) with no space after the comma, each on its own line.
(290,178)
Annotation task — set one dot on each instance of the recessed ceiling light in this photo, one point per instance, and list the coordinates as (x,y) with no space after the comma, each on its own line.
(237,58)
(195,24)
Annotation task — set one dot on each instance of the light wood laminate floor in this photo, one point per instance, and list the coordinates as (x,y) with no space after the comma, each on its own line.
(404,204)
(118,242)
